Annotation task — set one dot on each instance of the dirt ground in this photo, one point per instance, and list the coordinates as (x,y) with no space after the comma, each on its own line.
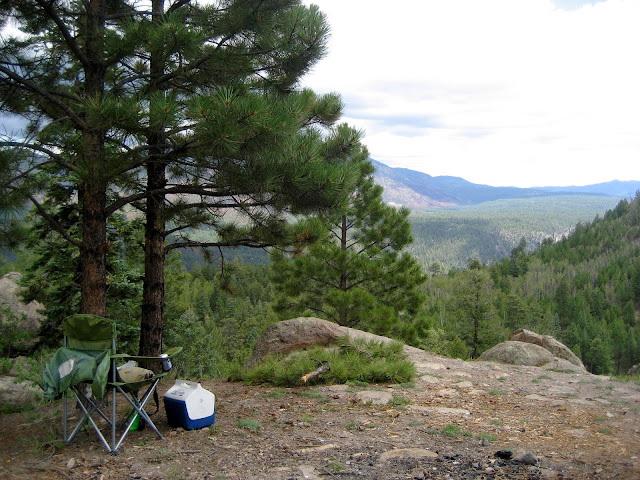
(458,420)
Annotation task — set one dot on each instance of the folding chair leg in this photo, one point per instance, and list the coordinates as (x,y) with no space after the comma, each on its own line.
(87,417)
(138,406)
(64,417)
(113,421)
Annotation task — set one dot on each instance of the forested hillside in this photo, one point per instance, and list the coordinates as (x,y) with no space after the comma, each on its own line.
(448,238)
(583,290)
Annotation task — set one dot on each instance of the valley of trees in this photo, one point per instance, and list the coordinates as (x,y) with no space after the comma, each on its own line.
(488,231)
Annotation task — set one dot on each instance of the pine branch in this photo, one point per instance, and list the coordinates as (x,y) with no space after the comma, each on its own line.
(47,6)
(34,88)
(235,243)
(52,221)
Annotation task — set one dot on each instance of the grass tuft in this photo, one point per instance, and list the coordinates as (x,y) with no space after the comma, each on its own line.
(250,424)
(455,431)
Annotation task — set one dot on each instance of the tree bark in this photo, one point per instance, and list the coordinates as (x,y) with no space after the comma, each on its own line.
(93,251)
(92,194)
(152,323)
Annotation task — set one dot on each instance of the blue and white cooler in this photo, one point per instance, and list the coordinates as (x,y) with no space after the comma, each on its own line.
(189,406)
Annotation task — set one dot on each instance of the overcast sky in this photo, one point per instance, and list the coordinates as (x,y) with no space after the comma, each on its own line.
(499,92)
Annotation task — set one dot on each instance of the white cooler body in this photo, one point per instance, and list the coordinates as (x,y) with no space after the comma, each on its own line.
(189,406)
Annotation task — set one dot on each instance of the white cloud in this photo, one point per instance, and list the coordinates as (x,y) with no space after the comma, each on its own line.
(516,92)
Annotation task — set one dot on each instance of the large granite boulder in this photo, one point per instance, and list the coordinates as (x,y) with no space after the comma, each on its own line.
(518,353)
(295,334)
(547,342)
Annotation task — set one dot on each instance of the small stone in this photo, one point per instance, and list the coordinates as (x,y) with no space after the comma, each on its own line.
(485,442)
(525,457)
(71,463)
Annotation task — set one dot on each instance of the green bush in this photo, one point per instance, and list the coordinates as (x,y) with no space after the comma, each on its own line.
(12,338)
(351,361)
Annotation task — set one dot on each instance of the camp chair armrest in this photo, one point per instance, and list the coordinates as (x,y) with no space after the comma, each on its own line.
(137,384)
(171,352)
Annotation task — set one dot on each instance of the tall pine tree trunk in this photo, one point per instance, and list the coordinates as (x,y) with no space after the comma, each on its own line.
(152,324)
(94,249)
(343,314)
(92,193)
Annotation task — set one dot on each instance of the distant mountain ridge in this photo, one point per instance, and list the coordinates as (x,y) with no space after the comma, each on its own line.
(419,190)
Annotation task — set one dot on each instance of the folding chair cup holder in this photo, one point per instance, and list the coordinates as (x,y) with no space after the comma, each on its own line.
(89,356)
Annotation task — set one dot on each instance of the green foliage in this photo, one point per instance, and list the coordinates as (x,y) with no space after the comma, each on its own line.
(357,275)
(583,290)
(52,278)
(456,348)
(250,424)
(203,347)
(354,360)
(217,328)
(473,312)
(455,431)
(12,338)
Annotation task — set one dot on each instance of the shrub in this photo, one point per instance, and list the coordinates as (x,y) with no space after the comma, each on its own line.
(353,361)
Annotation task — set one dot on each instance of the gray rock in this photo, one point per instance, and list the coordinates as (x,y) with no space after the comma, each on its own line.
(635,370)
(525,457)
(547,342)
(518,353)
(407,453)
(373,397)
(21,366)
(562,365)
(295,334)
(13,392)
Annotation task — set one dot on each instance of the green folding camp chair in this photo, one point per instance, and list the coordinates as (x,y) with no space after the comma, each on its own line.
(89,356)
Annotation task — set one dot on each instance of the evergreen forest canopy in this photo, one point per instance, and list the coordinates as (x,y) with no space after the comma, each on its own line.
(446,238)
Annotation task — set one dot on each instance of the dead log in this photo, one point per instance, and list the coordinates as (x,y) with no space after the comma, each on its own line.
(324,367)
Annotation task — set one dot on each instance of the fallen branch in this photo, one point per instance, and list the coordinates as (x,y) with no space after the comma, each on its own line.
(324,367)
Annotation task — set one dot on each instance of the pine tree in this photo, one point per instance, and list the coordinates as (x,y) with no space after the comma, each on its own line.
(358,275)
(203,97)
(597,358)
(472,307)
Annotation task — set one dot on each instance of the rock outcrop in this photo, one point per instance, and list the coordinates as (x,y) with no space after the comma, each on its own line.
(18,393)
(518,353)
(528,348)
(295,334)
(547,342)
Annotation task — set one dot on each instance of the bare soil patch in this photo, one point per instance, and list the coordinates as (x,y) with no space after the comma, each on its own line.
(450,423)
